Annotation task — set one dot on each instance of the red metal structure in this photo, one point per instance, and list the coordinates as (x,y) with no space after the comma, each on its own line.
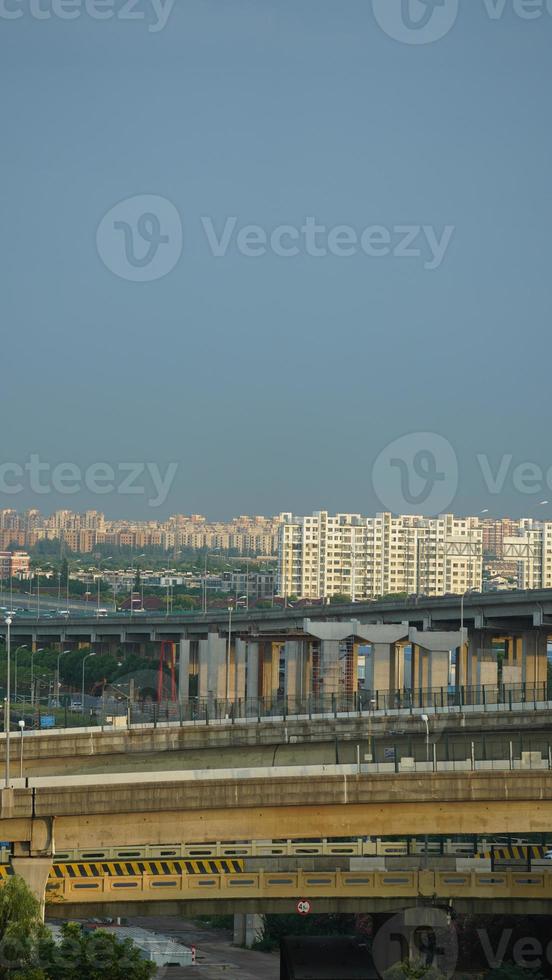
(167,661)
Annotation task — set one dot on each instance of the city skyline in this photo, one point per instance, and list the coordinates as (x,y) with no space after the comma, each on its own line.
(281,371)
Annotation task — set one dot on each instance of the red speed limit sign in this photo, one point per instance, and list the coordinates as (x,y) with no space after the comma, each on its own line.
(303,906)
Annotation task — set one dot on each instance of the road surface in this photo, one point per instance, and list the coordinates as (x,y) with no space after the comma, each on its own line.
(217,959)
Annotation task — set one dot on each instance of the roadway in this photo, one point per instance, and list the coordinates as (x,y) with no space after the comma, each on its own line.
(321,740)
(521,608)
(216,956)
(24,600)
(139,809)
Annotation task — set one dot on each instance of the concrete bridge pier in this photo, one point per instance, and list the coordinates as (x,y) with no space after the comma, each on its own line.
(526,659)
(512,664)
(295,681)
(212,667)
(35,872)
(247,929)
(386,663)
(183,669)
(477,662)
(270,670)
(431,657)
(240,668)
(534,666)
(252,670)
(331,637)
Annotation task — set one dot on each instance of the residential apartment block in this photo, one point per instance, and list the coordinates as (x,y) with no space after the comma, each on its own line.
(14,564)
(82,533)
(365,557)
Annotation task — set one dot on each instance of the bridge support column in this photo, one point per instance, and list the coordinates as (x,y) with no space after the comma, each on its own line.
(381,666)
(330,673)
(535,658)
(202,668)
(252,671)
(183,669)
(513,660)
(247,929)
(35,872)
(433,657)
(216,665)
(270,670)
(294,677)
(386,670)
(240,660)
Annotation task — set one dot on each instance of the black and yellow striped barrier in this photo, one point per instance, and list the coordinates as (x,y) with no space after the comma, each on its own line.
(515,852)
(118,869)
(5,871)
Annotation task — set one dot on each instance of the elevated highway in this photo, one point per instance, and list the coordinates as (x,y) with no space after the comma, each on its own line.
(47,815)
(297,658)
(378,736)
(62,813)
(339,891)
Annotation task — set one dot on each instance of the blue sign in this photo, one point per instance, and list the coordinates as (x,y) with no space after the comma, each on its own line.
(47,721)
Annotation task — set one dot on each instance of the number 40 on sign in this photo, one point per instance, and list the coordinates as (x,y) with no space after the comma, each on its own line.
(303,906)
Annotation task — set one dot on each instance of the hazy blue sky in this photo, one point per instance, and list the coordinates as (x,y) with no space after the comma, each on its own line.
(275,381)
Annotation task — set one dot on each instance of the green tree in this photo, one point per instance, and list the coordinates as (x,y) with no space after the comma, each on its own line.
(21,932)
(64,573)
(28,950)
(138,580)
(97,955)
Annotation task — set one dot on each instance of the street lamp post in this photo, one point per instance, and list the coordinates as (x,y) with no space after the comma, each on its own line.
(33,654)
(100,563)
(228,651)
(207,556)
(425,719)
(7,701)
(23,647)
(132,567)
(21,729)
(93,654)
(58,685)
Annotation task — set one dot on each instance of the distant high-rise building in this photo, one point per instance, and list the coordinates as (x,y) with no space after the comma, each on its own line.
(366,557)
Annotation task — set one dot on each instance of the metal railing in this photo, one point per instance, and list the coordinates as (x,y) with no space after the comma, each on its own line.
(69,713)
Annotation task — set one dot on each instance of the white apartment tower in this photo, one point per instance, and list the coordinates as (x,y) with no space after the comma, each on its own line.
(366,557)
(531,549)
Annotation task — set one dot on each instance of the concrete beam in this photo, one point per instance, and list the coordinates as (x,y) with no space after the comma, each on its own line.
(331,820)
(435,640)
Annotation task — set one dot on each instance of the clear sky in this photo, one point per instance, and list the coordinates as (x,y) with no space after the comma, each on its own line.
(274,381)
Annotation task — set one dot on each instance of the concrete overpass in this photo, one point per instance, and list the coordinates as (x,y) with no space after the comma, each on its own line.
(382,737)
(271,891)
(293,655)
(334,802)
